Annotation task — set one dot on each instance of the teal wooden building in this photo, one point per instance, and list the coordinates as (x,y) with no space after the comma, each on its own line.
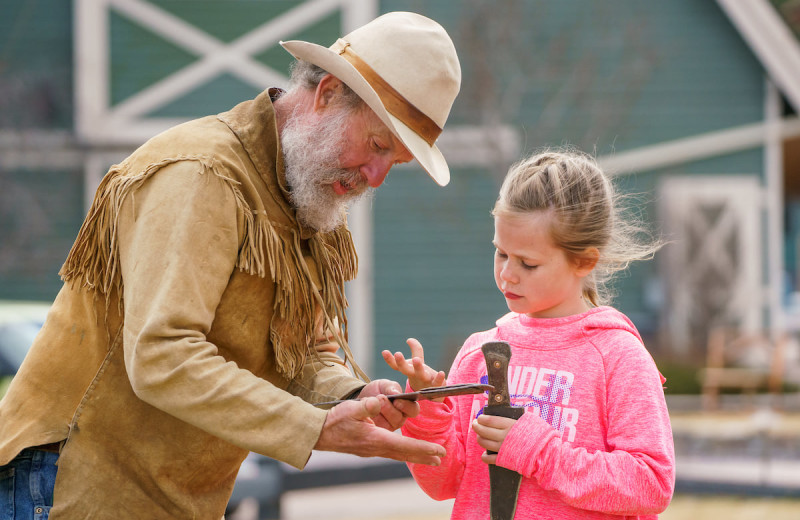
(692,104)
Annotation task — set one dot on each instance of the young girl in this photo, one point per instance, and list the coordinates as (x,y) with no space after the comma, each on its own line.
(595,441)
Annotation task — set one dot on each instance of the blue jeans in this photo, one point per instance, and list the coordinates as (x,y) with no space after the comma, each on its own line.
(26,485)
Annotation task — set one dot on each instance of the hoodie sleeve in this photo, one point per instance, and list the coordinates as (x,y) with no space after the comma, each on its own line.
(635,473)
(447,424)
(436,423)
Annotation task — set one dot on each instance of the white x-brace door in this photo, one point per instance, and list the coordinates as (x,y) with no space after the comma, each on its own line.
(127,122)
(715,258)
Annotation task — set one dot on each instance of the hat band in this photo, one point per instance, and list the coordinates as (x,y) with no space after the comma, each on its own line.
(392,100)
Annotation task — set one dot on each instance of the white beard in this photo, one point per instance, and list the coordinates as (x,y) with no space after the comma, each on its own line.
(311,157)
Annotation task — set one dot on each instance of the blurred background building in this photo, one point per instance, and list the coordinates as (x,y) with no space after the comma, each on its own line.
(691,104)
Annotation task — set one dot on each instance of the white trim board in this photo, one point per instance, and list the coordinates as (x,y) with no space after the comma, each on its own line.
(771,41)
(695,148)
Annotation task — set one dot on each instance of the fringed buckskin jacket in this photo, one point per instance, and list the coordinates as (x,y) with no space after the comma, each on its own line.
(197,321)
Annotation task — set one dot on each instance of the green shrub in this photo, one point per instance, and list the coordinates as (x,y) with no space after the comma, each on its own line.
(4,382)
(681,377)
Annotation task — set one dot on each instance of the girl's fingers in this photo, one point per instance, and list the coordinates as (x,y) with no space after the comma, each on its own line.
(388,357)
(416,348)
(492,428)
(398,362)
(419,375)
(420,371)
(406,365)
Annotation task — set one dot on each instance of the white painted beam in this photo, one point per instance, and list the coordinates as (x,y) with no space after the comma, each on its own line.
(361,291)
(773,179)
(771,40)
(90,24)
(695,148)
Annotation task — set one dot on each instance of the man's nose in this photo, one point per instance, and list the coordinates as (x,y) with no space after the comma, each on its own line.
(375,171)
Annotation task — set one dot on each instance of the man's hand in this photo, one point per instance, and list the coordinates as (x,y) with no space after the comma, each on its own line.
(393,413)
(491,431)
(351,428)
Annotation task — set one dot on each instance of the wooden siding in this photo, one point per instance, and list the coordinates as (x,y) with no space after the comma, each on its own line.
(604,76)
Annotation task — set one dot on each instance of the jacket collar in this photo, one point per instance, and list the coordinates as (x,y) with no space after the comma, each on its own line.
(254,124)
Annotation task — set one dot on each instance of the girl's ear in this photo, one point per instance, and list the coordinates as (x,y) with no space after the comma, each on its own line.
(587,261)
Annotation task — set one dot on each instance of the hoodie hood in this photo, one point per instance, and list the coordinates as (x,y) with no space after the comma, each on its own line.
(516,328)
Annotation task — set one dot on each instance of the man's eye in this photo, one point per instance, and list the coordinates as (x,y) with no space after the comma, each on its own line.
(499,254)
(528,266)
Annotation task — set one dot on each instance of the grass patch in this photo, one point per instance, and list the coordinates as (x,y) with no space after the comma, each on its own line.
(681,378)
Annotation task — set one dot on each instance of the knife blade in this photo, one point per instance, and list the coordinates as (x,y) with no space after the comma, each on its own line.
(504,483)
(433,392)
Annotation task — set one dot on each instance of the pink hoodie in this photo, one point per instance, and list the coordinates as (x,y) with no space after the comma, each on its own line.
(595,441)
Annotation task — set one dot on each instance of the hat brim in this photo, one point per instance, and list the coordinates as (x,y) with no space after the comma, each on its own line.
(429,157)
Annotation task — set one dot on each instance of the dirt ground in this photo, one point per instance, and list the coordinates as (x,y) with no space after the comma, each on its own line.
(689,507)
(379,501)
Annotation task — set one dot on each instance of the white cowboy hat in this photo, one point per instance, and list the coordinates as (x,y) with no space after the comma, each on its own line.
(405,68)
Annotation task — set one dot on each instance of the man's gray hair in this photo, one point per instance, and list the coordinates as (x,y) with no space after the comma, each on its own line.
(307,76)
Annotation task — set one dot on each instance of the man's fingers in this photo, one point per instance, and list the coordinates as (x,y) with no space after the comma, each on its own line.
(351,428)
(371,407)
(416,451)
(389,387)
(406,407)
(394,413)
(390,417)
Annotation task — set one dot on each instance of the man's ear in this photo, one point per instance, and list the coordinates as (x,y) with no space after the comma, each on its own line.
(586,261)
(327,90)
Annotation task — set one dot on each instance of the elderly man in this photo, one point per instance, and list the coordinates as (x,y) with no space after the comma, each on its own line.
(203,302)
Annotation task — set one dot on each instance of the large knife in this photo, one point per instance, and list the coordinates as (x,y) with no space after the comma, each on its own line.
(504,483)
(432,392)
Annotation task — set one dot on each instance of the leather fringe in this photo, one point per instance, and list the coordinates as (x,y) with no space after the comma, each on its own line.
(93,262)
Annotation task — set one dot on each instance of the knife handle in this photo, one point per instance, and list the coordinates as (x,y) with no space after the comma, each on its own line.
(497,355)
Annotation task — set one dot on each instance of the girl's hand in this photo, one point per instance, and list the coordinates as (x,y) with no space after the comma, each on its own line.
(491,431)
(420,375)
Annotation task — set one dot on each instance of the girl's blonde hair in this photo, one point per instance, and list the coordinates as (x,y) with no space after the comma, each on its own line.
(583,203)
